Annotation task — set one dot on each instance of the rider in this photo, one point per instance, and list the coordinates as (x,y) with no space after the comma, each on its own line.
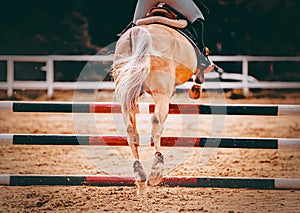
(186,8)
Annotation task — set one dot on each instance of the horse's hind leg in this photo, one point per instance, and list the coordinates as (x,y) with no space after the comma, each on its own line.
(133,140)
(161,112)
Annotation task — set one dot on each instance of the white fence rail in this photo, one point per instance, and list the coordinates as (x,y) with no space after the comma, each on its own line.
(50,85)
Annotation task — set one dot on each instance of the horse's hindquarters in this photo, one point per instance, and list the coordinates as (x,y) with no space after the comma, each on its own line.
(176,52)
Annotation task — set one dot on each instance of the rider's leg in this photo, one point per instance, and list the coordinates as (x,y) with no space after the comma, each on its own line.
(186,8)
(193,14)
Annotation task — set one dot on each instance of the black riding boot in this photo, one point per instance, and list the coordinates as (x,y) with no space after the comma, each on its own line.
(198,26)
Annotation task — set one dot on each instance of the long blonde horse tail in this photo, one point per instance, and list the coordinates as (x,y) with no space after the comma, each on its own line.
(130,72)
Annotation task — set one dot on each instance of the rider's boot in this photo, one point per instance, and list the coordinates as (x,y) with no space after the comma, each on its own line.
(204,61)
(199,33)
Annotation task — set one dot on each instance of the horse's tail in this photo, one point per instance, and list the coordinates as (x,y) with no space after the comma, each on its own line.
(130,72)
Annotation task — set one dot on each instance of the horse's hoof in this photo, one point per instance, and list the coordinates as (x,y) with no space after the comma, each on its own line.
(156,175)
(142,188)
(195,91)
(139,171)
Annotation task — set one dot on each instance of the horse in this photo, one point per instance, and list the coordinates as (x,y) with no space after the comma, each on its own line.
(152,58)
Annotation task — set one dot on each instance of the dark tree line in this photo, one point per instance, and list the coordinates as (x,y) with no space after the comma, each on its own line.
(256,27)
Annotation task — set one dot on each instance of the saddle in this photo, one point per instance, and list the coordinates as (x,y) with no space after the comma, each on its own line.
(163,10)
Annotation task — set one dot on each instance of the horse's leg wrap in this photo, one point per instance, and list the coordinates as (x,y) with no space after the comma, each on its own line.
(140,178)
(156,174)
(139,171)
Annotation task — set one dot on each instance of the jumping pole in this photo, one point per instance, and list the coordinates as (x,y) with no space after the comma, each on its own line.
(96,180)
(101,107)
(105,140)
